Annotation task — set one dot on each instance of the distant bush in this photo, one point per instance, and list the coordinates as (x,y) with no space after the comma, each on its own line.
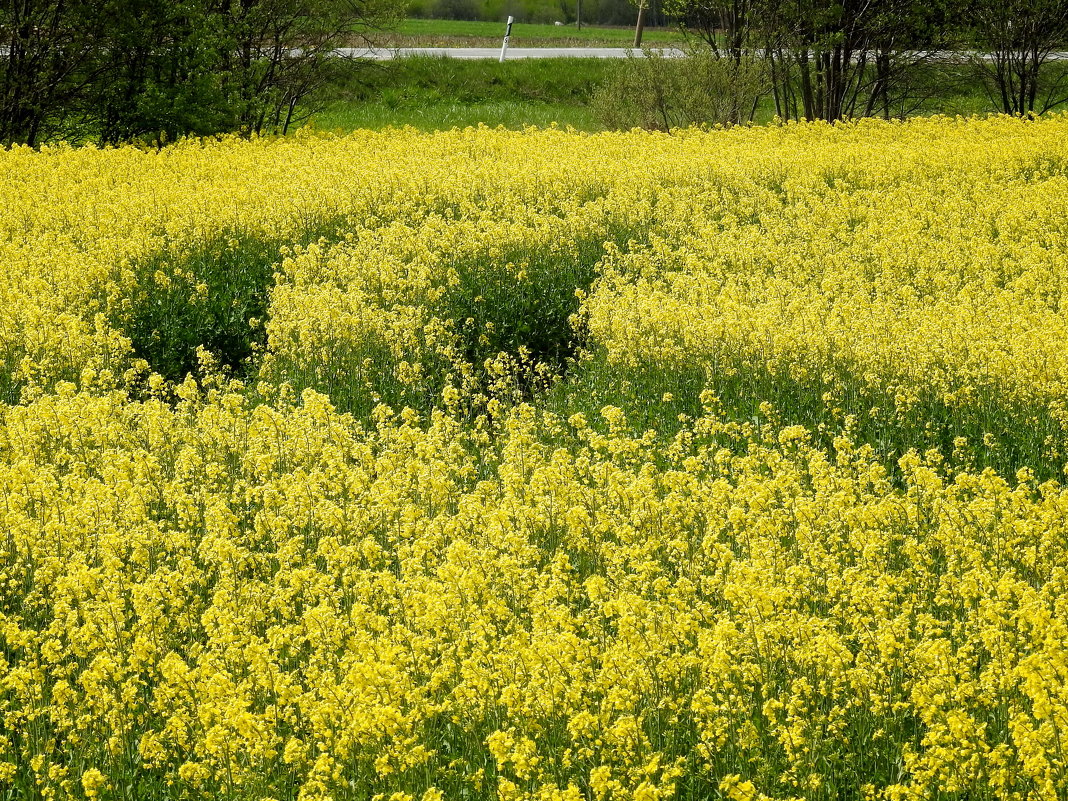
(456,9)
(419,9)
(658,92)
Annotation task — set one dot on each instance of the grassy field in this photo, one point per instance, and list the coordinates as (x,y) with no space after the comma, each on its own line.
(461,33)
(440,93)
(441,115)
(538,466)
(433,93)
(437,93)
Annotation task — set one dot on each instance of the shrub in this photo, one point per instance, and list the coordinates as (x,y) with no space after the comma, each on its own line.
(659,92)
(456,9)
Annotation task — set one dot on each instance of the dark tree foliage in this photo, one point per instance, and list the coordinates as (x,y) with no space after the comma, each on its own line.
(162,75)
(1013,43)
(830,59)
(116,70)
(833,60)
(48,58)
(726,26)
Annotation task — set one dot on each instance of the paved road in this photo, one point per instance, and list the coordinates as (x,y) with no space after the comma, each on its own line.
(390,53)
(387,54)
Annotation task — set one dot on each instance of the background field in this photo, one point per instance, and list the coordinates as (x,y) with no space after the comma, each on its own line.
(436,93)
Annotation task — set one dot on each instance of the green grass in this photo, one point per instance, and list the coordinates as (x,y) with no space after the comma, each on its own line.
(443,116)
(435,93)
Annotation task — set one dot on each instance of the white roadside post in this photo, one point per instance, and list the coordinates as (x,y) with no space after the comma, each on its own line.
(507,36)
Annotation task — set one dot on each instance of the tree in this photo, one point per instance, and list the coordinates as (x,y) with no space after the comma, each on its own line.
(830,59)
(282,49)
(117,70)
(835,59)
(1014,40)
(47,59)
(725,26)
(162,76)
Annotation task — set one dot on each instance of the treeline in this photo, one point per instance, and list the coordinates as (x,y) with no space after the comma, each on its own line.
(835,59)
(116,70)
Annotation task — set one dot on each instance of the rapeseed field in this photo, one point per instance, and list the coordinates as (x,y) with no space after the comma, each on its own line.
(538,465)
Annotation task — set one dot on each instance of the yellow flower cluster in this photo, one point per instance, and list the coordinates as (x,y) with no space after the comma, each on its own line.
(621,467)
(913,280)
(225,599)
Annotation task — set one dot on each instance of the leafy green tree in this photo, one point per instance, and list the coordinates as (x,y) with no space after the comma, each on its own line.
(834,59)
(725,26)
(280,51)
(830,59)
(1013,42)
(163,76)
(48,57)
(116,70)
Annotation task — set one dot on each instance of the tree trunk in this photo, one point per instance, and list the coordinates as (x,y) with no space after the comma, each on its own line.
(640,27)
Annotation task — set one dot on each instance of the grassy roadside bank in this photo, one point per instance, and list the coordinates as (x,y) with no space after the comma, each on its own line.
(436,93)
